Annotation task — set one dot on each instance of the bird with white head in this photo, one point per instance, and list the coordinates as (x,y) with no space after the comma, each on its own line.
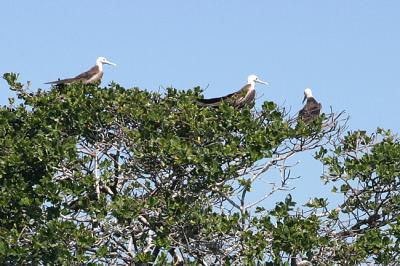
(311,109)
(93,75)
(237,99)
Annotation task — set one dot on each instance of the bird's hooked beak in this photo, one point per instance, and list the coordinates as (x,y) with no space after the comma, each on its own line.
(305,98)
(262,82)
(109,63)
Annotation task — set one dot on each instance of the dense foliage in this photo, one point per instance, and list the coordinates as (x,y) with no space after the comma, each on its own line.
(92,175)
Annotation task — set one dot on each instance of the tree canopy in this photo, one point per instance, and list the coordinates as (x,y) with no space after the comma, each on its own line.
(107,175)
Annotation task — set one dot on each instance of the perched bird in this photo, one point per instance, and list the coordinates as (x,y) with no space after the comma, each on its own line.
(91,76)
(237,99)
(311,109)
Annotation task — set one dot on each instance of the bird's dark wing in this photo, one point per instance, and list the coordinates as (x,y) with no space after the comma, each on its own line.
(214,101)
(237,99)
(244,97)
(310,111)
(61,81)
(88,74)
(315,110)
(81,77)
(305,116)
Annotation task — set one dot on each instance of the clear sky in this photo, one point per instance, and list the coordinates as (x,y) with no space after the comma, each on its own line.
(348,52)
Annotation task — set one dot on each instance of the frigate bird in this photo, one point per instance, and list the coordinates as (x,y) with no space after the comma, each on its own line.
(91,76)
(311,109)
(237,99)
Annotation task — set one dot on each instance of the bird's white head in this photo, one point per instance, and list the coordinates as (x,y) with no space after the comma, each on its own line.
(252,79)
(102,60)
(307,94)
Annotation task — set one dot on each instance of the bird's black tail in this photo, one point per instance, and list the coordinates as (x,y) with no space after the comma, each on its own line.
(61,81)
(209,102)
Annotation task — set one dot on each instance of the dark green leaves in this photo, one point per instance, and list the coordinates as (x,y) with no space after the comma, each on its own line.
(12,80)
(108,175)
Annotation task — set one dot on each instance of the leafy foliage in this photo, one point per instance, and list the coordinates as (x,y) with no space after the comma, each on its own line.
(112,175)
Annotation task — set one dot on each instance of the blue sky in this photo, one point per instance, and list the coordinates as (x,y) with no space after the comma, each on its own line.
(346,51)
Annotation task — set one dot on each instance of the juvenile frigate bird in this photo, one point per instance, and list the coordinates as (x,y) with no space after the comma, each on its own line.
(92,75)
(237,99)
(311,109)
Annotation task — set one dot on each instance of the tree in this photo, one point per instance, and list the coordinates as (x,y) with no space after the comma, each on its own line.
(122,176)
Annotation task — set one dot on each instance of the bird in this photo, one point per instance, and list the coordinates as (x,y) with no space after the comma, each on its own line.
(93,75)
(237,99)
(311,109)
